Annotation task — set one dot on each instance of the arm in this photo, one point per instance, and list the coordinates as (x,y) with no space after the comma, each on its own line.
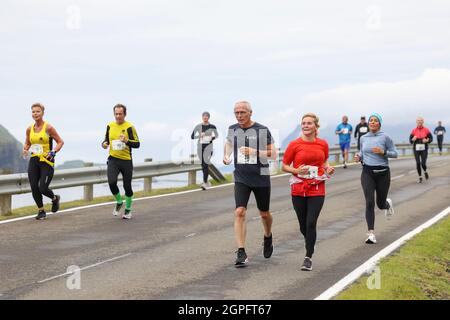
(216,134)
(105,142)
(55,136)
(194,134)
(270,153)
(412,138)
(228,150)
(429,137)
(391,150)
(356,131)
(133,140)
(27,144)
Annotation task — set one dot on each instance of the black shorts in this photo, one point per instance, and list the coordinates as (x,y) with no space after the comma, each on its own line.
(242,195)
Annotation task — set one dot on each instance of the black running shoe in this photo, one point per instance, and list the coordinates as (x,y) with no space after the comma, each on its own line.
(55,203)
(241,259)
(420,180)
(41,215)
(307,264)
(267,247)
(427,176)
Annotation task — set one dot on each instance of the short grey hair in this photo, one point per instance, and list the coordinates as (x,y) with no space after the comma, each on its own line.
(248,105)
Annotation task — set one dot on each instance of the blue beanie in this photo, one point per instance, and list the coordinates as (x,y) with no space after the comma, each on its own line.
(376,115)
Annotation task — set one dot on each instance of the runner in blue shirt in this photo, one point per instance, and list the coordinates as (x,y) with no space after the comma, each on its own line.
(344,130)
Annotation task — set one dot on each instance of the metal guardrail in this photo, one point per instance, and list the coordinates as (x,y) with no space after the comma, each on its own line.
(12,184)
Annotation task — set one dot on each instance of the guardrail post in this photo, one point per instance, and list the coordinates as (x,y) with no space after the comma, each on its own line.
(148,181)
(5,199)
(192,175)
(89,188)
(336,158)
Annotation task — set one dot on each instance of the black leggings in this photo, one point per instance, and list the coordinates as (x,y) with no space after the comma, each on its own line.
(379,182)
(421,161)
(40,174)
(204,152)
(440,141)
(116,166)
(308,210)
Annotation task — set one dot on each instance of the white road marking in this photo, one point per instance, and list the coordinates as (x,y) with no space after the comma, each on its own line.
(85,268)
(190,235)
(372,262)
(397,177)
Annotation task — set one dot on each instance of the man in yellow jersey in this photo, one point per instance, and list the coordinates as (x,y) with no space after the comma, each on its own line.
(120,138)
(39,146)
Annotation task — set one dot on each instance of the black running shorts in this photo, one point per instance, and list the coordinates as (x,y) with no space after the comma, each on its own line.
(242,195)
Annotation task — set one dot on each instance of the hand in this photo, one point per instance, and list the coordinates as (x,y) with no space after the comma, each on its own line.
(377,150)
(105,145)
(123,138)
(357,158)
(302,170)
(247,151)
(226,160)
(51,156)
(330,170)
(414,138)
(203,134)
(25,153)
(426,140)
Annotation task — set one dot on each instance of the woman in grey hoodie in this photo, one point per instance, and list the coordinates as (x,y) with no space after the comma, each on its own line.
(376,148)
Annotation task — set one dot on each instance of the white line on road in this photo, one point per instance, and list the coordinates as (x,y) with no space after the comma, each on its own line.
(372,262)
(85,268)
(190,235)
(397,177)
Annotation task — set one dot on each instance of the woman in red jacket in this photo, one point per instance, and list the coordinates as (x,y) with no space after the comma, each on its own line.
(420,138)
(307,159)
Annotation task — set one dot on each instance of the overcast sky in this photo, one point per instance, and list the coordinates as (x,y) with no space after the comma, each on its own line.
(170,60)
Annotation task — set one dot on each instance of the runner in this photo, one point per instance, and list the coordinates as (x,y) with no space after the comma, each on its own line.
(376,149)
(420,138)
(252,145)
(361,129)
(120,138)
(206,133)
(307,159)
(39,146)
(439,132)
(344,130)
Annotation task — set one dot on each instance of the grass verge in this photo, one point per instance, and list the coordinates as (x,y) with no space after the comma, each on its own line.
(420,270)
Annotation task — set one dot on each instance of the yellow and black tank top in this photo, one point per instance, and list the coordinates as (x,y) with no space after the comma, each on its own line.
(118,149)
(41,144)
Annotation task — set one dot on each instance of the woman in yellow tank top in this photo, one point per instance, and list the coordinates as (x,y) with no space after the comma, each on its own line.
(39,146)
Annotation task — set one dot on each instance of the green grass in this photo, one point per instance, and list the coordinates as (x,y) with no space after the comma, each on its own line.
(420,270)
(31,210)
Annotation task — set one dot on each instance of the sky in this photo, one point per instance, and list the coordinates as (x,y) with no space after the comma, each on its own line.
(168,61)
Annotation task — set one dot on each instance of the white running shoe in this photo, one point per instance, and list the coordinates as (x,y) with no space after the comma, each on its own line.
(389,212)
(126,214)
(203,186)
(371,238)
(117,209)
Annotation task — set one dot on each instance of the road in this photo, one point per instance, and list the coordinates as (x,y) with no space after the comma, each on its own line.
(182,246)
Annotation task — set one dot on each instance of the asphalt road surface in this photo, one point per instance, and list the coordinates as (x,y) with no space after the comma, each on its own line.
(182,246)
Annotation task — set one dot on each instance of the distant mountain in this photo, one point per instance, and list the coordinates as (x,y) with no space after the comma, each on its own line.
(400,134)
(11,153)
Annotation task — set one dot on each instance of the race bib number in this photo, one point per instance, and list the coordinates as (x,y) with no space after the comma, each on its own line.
(440,133)
(345,131)
(118,145)
(420,147)
(243,159)
(37,149)
(313,173)
(363,130)
(205,139)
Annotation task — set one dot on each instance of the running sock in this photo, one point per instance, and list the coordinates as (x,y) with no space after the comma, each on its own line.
(128,201)
(118,198)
